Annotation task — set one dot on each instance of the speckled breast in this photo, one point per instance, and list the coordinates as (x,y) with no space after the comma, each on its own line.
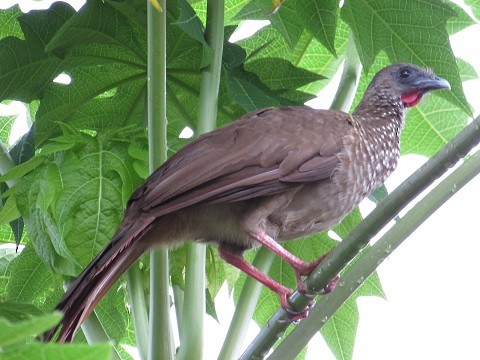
(370,156)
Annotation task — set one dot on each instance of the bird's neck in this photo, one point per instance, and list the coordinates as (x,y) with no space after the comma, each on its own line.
(382,111)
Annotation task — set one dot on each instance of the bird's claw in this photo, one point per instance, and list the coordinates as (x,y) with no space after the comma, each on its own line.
(294,315)
(302,289)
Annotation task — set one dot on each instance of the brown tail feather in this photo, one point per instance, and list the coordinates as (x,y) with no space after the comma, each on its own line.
(88,289)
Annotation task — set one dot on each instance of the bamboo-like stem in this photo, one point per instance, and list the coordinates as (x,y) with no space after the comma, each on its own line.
(138,309)
(191,338)
(341,255)
(94,333)
(160,339)
(245,307)
(374,256)
(350,77)
(179,298)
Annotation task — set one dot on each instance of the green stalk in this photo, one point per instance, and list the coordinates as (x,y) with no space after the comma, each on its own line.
(191,338)
(160,339)
(179,298)
(138,308)
(347,88)
(374,256)
(94,333)
(359,237)
(245,308)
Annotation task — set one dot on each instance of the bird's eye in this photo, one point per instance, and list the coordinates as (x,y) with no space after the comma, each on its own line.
(405,73)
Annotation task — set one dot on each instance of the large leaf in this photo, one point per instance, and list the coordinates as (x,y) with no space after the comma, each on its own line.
(30,281)
(9,25)
(475,6)
(320,18)
(76,196)
(11,333)
(20,77)
(309,53)
(56,351)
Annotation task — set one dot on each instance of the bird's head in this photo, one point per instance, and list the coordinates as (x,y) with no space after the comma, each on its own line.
(406,83)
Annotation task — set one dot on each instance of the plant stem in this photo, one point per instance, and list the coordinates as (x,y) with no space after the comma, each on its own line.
(179,298)
(160,339)
(138,308)
(341,255)
(94,333)
(374,256)
(245,307)
(191,346)
(350,76)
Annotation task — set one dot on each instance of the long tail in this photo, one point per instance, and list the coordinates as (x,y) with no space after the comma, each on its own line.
(94,282)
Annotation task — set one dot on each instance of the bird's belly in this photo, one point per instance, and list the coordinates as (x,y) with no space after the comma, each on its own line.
(314,209)
(320,206)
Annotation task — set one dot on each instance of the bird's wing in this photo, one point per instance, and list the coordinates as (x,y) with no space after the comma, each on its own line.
(260,154)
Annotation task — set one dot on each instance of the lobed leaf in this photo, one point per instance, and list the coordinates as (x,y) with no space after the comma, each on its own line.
(64,351)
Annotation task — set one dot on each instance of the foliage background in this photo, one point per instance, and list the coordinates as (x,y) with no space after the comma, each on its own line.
(68,174)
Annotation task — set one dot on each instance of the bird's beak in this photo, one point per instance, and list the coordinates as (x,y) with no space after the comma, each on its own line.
(429,83)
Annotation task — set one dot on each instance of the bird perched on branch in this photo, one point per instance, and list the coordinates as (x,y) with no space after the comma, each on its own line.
(273,175)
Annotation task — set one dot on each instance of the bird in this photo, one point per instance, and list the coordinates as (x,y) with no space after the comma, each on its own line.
(273,175)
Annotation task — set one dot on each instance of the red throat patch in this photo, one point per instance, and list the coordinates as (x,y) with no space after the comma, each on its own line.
(411,99)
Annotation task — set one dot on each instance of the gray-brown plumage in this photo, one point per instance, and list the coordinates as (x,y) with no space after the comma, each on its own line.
(273,175)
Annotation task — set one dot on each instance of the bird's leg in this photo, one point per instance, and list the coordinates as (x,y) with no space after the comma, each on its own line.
(300,267)
(236,259)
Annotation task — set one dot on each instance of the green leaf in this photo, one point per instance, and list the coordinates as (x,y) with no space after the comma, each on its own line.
(59,351)
(24,168)
(15,312)
(460,22)
(7,254)
(113,314)
(88,26)
(431,125)
(278,73)
(309,53)
(9,211)
(6,123)
(255,10)
(210,305)
(467,71)
(407,31)
(9,26)
(189,22)
(250,92)
(11,333)
(20,78)
(320,18)
(475,6)
(30,281)
(288,22)
(339,331)
(233,55)
(24,148)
